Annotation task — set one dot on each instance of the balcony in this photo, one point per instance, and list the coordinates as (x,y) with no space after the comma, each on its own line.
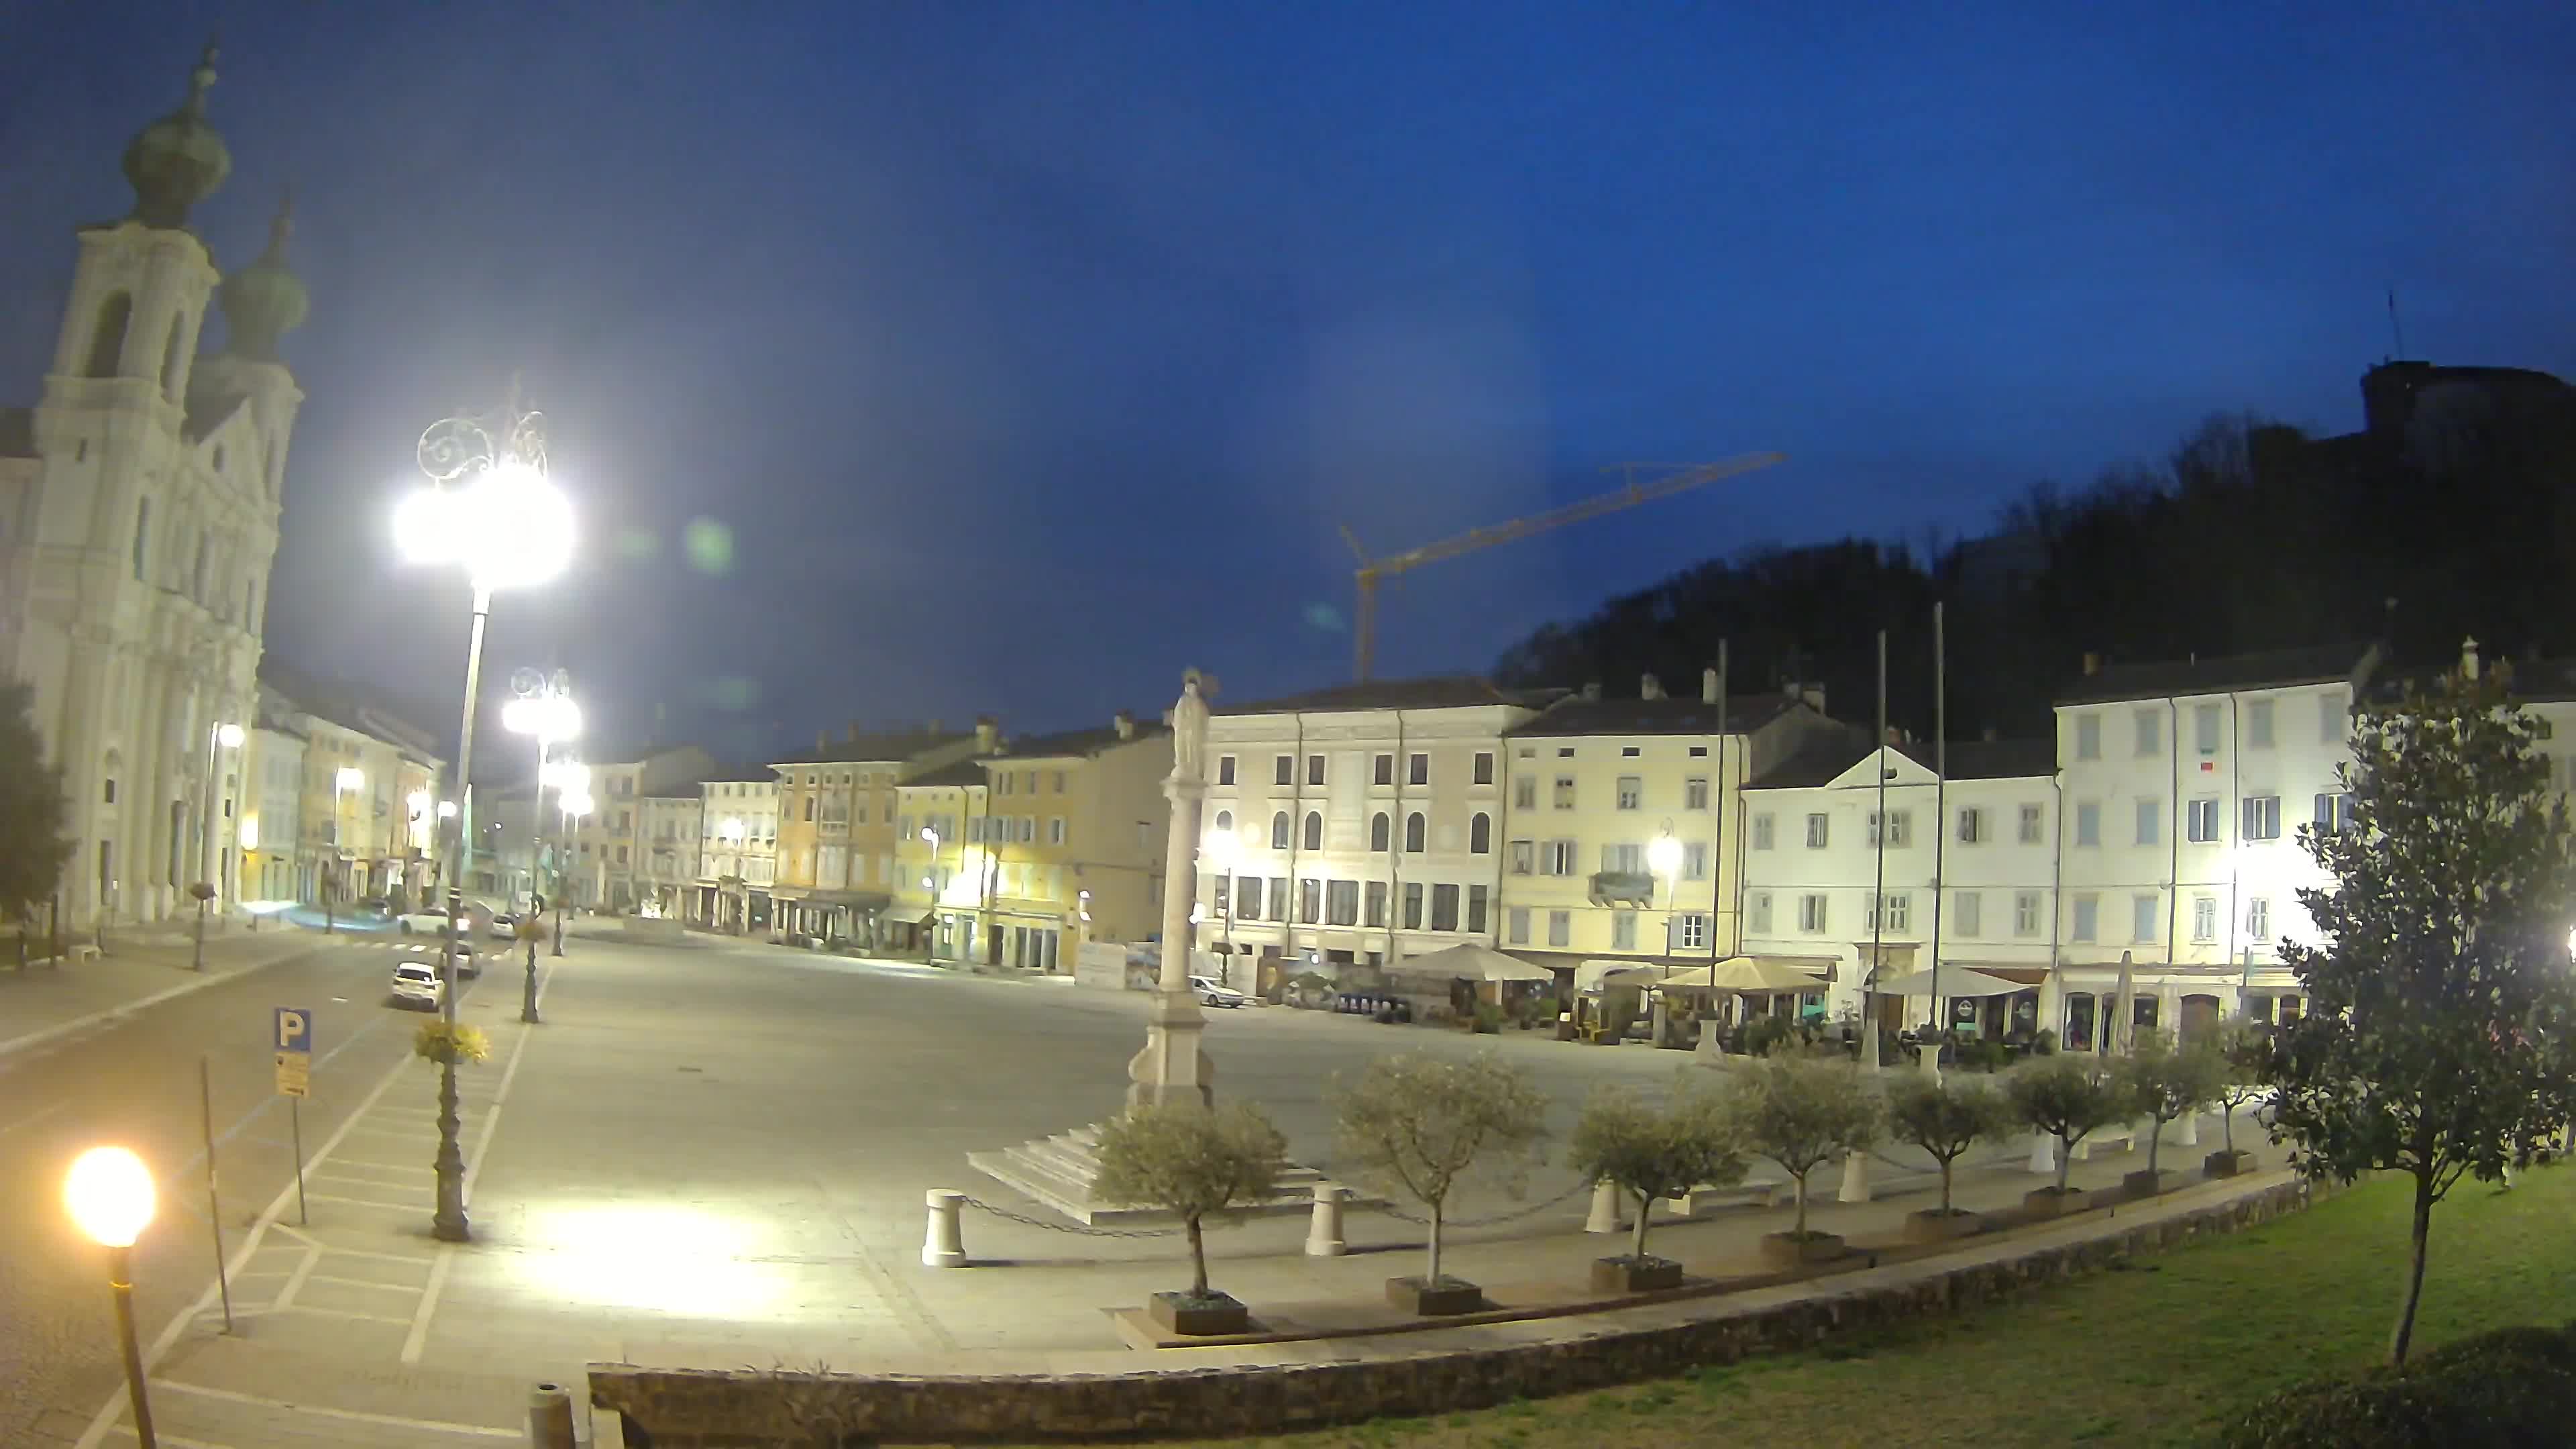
(1633,887)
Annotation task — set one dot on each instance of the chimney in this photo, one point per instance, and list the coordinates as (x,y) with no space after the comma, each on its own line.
(988,734)
(1592,691)
(1125,724)
(2468,659)
(1708,686)
(1649,687)
(2092,663)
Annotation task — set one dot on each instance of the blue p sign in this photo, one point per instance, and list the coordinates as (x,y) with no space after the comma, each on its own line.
(294,1029)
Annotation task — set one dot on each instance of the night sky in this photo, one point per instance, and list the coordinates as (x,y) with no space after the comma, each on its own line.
(935,359)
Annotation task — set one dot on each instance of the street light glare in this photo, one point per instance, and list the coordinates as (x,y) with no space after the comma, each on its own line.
(1664,855)
(350,778)
(229,736)
(577,802)
(551,717)
(109,1194)
(510,528)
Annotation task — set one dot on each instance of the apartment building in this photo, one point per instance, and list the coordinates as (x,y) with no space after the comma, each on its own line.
(1356,825)
(670,824)
(367,801)
(1860,856)
(2185,785)
(1621,828)
(273,869)
(837,819)
(606,863)
(939,874)
(737,849)
(1072,841)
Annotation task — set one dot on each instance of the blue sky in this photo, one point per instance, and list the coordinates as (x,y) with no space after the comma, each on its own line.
(1026,354)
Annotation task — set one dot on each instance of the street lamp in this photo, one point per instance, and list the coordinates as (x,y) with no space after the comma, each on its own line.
(222,737)
(490,509)
(733,835)
(109,1195)
(543,709)
(349,778)
(1222,850)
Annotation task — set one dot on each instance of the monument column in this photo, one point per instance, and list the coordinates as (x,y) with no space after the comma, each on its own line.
(1172,1067)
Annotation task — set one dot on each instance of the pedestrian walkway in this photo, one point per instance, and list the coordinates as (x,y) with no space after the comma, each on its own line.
(51,1003)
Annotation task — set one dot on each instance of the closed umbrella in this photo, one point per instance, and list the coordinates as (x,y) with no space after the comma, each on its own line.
(2116,1032)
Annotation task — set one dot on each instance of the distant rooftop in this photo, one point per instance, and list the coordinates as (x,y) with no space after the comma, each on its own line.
(1823,760)
(968,771)
(1454,691)
(1078,743)
(2216,674)
(877,749)
(1576,715)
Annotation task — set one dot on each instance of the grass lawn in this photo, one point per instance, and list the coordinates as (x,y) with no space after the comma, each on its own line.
(2156,1353)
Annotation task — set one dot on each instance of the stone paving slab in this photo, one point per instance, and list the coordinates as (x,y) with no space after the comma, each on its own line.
(50,1003)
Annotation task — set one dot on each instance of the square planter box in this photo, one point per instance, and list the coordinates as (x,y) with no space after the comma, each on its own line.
(1931,1225)
(1218,1313)
(1628,1275)
(2143,1183)
(1425,1299)
(2224,1163)
(1788,1250)
(2048,1202)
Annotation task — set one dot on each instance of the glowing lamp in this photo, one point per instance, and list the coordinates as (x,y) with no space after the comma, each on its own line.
(109,1194)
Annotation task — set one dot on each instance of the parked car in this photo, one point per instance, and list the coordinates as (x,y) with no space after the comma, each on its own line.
(371,906)
(1211,993)
(416,985)
(427,921)
(467,963)
(505,926)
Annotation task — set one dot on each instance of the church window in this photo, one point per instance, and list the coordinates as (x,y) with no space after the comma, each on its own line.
(142,531)
(107,344)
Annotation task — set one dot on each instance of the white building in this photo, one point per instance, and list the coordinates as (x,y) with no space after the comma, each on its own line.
(1966,876)
(1315,797)
(737,848)
(138,515)
(670,820)
(1595,784)
(273,866)
(2184,787)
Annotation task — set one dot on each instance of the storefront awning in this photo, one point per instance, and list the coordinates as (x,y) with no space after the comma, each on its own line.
(909,916)
(847,900)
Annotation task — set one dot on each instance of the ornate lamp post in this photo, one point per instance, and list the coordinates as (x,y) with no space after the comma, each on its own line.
(109,1195)
(222,737)
(343,781)
(544,709)
(490,509)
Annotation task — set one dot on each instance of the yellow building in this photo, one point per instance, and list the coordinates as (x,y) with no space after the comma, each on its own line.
(1622,825)
(938,874)
(1070,844)
(837,814)
(366,798)
(607,857)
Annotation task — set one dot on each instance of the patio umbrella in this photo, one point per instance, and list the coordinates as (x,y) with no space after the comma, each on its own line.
(1744,974)
(1955,981)
(1471,962)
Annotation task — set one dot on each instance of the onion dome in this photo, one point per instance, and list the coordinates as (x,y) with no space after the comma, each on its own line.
(265,300)
(178,160)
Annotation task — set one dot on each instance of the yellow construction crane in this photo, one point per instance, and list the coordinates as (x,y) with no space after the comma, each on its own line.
(1371,570)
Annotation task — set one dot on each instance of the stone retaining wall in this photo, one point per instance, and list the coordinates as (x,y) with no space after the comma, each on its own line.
(713,1409)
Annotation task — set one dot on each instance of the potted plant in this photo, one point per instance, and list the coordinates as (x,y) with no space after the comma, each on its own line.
(1423,1126)
(1194,1162)
(439,1043)
(1945,1117)
(1799,1112)
(2165,1081)
(2241,1049)
(2066,1098)
(2043,1043)
(1651,1153)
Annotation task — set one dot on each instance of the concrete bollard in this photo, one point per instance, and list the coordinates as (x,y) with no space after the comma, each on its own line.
(1855,1178)
(549,1418)
(1324,1229)
(2043,1153)
(942,1246)
(1604,1217)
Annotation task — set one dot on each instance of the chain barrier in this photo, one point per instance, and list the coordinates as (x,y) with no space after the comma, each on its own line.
(1077,1229)
(1581,1185)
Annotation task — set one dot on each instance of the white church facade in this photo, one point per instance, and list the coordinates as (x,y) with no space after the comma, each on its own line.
(139,506)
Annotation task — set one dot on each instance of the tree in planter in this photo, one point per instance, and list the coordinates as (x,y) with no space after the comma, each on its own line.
(1194,1162)
(2437,1004)
(2165,1080)
(1652,1153)
(33,814)
(2065,1097)
(1799,1112)
(1945,1117)
(2244,1052)
(1420,1125)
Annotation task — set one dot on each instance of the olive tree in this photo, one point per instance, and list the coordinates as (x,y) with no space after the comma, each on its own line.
(1946,1116)
(33,813)
(1423,1126)
(1799,1112)
(2165,1080)
(2243,1054)
(1194,1162)
(2069,1099)
(2439,986)
(1652,1152)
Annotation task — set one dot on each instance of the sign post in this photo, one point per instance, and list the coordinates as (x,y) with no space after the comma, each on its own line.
(293,1040)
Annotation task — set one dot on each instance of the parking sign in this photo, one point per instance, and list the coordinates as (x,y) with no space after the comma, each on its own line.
(294,1030)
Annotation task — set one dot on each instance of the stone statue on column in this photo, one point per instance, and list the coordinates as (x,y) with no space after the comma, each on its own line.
(1172,1068)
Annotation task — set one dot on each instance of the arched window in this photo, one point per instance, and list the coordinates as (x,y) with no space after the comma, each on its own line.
(172,357)
(107,344)
(1314,830)
(1279,831)
(1480,835)
(1224,822)
(1413,832)
(1380,831)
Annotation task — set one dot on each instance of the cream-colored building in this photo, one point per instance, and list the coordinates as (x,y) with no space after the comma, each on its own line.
(669,827)
(737,849)
(1071,842)
(1622,831)
(1364,824)
(608,865)
(139,504)
(939,875)
(367,802)
(837,808)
